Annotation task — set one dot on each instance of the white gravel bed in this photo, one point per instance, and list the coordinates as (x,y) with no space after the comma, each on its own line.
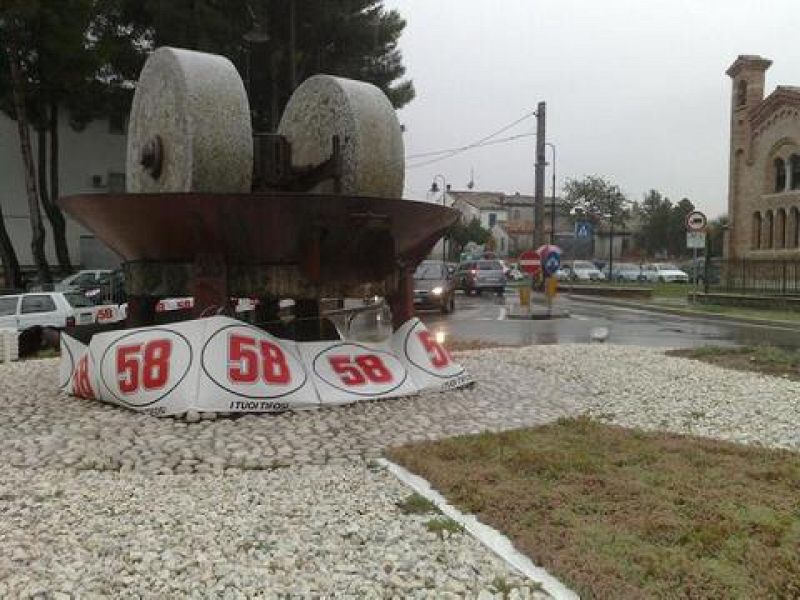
(643,388)
(41,428)
(304,531)
(97,500)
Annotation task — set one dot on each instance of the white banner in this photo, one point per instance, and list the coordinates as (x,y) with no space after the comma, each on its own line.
(219,364)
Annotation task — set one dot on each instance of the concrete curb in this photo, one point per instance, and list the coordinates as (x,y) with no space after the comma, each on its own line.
(488,536)
(688,313)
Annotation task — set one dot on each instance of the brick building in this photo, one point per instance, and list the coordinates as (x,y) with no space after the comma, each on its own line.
(764,176)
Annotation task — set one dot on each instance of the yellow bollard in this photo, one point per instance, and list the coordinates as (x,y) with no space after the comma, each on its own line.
(524,296)
(551,287)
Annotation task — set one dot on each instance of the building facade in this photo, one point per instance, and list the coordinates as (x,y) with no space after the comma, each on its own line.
(764,173)
(91,160)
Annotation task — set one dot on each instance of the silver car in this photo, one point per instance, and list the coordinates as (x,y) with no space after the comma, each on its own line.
(478,275)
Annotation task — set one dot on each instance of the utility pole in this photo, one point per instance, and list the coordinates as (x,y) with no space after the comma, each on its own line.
(538,202)
(553,198)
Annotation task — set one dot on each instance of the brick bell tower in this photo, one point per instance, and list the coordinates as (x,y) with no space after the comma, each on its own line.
(748,74)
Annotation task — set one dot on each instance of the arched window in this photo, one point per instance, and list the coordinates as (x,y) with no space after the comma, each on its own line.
(768,238)
(780,175)
(780,229)
(794,228)
(794,171)
(756,231)
(741,93)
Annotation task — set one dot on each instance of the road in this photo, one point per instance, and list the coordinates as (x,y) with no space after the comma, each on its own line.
(484,318)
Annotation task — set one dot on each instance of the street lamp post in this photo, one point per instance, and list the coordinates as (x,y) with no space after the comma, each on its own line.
(553,199)
(434,189)
(611,244)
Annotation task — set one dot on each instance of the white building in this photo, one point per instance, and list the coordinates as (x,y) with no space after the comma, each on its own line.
(91,160)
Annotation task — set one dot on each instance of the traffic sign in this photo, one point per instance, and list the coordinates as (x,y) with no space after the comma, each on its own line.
(583,229)
(530,262)
(696,221)
(552,263)
(696,239)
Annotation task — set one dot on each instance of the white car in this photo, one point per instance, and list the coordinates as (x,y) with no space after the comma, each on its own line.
(664,273)
(47,309)
(82,280)
(584,270)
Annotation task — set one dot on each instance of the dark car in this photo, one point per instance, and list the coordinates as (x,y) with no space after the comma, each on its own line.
(110,289)
(434,286)
(478,275)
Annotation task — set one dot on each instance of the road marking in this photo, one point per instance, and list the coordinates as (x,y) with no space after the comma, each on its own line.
(581,317)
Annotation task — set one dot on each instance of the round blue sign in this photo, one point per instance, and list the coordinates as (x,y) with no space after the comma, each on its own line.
(551,263)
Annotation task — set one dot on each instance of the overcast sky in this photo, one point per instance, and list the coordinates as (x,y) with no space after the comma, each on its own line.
(636,90)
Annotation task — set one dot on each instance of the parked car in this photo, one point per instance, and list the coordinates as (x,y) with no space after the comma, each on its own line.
(55,310)
(109,289)
(564,273)
(584,270)
(82,280)
(664,273)
(478,275)
(625,272)
(434,286)
(698,267)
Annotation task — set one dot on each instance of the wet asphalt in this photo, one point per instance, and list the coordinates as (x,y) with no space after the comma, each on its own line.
(486,318)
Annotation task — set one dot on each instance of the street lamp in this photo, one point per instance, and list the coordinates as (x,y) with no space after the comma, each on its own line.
(610,217)
(553,199)
(434,189)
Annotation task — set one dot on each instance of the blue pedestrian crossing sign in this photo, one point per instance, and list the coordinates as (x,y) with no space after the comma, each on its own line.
(551,263)
(583,229)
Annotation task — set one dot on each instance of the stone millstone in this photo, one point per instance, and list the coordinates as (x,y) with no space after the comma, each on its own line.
(361,115)
(197,105)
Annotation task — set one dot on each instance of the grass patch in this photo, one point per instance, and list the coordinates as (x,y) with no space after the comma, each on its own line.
(671,290)
(415,504)
(768,360)
(618,513)
(442,525)
(747,313)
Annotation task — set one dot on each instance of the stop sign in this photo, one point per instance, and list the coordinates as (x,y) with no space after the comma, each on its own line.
(530,262)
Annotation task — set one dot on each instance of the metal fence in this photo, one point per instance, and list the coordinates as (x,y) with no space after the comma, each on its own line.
(754,276)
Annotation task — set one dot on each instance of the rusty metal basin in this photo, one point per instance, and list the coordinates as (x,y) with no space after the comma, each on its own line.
(259,228)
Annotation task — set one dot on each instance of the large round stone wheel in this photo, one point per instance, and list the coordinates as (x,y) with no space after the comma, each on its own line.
(369,133)
(190,127)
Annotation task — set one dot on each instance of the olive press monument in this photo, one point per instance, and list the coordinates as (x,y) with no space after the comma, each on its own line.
(216,212)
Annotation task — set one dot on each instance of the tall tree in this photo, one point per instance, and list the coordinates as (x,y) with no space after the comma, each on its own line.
(460,234)
(677,239)
(655,223)
(12,275)
(13,37)
(276,44)
(599,199)
(73,56)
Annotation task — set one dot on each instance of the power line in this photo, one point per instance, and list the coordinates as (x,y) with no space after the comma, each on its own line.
(455,151)
(458,150)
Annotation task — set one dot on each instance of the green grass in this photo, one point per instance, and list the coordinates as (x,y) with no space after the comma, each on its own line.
(747,313)
(619,513)
(416,504)
(442,525)
(768,360)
